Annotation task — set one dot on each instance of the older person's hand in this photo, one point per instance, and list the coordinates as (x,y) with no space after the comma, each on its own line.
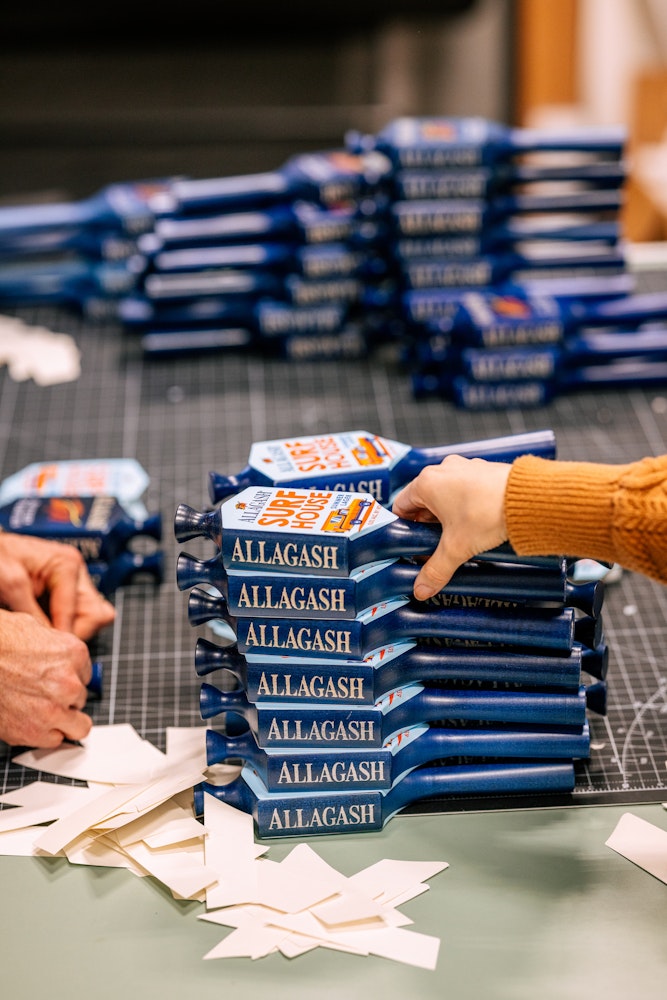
(49,607)
(43,678)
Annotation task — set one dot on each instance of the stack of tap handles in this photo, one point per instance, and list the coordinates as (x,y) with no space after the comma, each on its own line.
(351,699)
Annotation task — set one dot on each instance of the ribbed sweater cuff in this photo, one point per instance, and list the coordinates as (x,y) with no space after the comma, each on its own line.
(560,508)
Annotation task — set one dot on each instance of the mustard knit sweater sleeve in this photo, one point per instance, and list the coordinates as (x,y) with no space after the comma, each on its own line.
(615,513)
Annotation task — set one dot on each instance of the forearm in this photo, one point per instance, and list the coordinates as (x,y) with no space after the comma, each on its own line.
(615,513)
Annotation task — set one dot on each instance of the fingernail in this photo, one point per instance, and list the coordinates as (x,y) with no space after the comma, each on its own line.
(421,591)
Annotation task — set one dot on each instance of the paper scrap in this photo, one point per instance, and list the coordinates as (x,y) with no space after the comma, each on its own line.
(400,945)
(178,831)
(21,843)
(348,908)
(146,826)
(38,353)
(248,942)
(112,754)
(232,837)
(388,878)
(186,741)
(100,852)
(302,879)
(182,871)
(642,843)
(61,833)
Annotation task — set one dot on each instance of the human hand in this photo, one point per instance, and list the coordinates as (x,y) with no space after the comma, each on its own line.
(467,496)
(31,568)
(43,678)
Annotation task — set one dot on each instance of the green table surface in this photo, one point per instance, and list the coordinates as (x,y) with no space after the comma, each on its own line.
(533,905)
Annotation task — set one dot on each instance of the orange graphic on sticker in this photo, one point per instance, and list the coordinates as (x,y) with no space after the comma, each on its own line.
(66,511)
(344,518)
(46,473)
(510,306)
(441,131)
(370,451)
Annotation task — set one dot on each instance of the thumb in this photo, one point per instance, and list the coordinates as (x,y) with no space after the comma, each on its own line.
(435,573)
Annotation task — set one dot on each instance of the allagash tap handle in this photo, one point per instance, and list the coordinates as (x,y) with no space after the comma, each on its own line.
(292,814)
(441,217)
(178,287)
(452,310)
(122,478)
(363,682)
(330,178)
(534,361)
(517,319)
(438,141)
(90,244)
(490,270)
(546,629)
(285,596)
(484,182)
(108,577)
(362,462)
(312,532)
(502,237)
(278,724)
(98,526)
(473,395)
(300,222)
(81,283)
(341,770)
(130,208)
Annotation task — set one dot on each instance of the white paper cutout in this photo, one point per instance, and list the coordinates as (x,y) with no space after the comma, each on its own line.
(642,843)
(38,353)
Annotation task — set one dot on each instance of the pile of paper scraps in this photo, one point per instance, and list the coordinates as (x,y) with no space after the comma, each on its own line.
(136,812)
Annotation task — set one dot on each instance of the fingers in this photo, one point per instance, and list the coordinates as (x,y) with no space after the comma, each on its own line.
(32,567)
(69,724)
(61,574)
(467,497)
(75,726)
(85,612)
(16,589)
(46,731)
(409,504)
(435,573)
(62,602)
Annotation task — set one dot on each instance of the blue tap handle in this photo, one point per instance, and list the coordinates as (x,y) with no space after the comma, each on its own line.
(96,680)
(283,597)
(528,628)
(290,815)
(363,682)
(288,725)
(130,208)
(108,577)
(340,770)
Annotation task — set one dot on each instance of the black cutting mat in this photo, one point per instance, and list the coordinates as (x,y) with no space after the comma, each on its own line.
(182,418)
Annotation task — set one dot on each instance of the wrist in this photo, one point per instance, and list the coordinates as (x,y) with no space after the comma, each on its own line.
(559,508)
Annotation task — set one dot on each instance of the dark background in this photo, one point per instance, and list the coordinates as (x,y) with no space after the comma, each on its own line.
(106,92)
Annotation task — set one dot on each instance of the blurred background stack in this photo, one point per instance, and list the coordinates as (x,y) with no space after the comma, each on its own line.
(276,261)
(97,101)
